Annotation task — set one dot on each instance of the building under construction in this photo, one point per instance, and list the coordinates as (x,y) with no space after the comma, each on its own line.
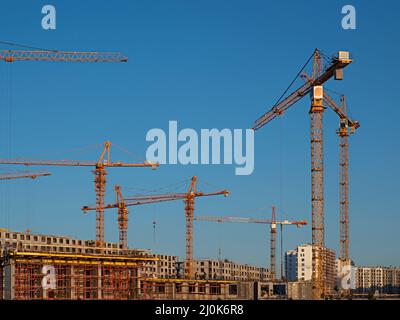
(36,266)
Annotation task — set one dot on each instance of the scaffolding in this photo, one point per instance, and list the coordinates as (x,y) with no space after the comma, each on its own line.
(38,275)
(60,276)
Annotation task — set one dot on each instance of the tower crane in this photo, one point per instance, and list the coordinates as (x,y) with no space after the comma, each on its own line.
(189,200)
(100,174)
(273,223)
(347,127)
(24,175)
(61,56)
(122,205)
(315,87)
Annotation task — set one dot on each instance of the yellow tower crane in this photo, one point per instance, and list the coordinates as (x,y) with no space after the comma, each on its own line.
(315,88)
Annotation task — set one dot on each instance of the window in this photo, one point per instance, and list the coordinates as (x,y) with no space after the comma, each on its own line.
(160,287)
(233,289)
(192,288)
(215,289)
(202,288)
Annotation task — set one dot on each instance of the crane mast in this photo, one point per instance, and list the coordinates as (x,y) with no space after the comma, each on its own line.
(273,244)
(343,133)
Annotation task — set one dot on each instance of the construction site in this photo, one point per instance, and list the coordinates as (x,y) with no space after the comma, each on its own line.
(36,266)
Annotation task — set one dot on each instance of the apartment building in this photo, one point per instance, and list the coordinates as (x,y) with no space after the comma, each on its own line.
(298,263)
(298,266)
(385,280)
(27,241)
(229,270)
(165,267)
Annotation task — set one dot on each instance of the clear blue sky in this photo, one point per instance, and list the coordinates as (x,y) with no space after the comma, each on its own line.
(206,64)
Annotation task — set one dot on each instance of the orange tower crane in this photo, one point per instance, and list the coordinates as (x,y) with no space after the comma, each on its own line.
(24,175)
(122,205)
(319,77)
(273,223)
(346,128)
(189,199)
(100,174)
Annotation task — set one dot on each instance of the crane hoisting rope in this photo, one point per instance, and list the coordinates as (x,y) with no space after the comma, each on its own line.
(154,232)
(206,183)
(143,192)
(260,209)
(333,92)
(13,44)
(134,156)
(7,134)
(71,151)
(340,95)
(325,57)
(171,187)
(294,80)
(281,166)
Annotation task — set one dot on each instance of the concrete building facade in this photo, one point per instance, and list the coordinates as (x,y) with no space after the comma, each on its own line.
(229,270)
(38,266)
(298,263)
(385,280)
(298,266)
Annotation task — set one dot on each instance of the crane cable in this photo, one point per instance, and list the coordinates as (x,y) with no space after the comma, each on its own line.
(281,143)
(294,80)
(8,43)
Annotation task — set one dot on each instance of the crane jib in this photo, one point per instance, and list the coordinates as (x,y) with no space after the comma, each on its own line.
(300,93)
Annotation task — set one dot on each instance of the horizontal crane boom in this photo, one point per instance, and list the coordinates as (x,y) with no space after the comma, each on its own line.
(61,56)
